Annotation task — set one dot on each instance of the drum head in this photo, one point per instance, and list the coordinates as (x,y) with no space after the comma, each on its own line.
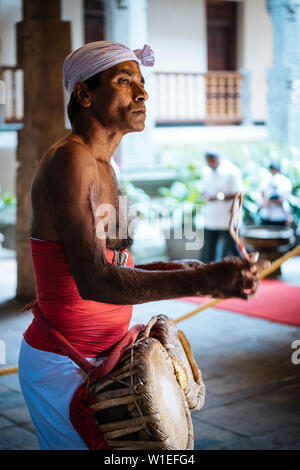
(177,345)
(163,398)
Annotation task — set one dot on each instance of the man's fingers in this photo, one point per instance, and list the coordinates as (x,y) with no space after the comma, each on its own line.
(251,296)
(253,257)
(249,278)
(260,266)
(263,264)
(247,283)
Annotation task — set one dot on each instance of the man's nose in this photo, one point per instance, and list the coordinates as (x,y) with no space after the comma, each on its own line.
(139,93)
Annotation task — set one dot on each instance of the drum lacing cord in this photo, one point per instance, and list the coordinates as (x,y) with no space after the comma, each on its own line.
(133,390)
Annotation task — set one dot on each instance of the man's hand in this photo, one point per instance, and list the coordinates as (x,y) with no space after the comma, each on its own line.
(234,277)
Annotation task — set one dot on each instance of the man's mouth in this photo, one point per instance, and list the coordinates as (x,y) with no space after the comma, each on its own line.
(140,110)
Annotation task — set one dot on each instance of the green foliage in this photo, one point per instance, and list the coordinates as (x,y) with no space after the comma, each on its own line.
(136,196)
(184,194)
(8,207)
(134,193)
(251,158)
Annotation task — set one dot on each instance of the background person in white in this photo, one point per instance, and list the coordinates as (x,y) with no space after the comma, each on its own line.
(274,193)
(221,180)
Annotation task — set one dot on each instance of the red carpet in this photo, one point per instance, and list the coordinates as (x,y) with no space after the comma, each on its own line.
(276,301)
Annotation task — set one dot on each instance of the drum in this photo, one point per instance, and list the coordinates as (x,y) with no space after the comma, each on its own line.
(175,342)
(270,241)
(141,404)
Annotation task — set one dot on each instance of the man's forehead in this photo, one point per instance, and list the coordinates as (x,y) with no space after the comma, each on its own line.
(130,66)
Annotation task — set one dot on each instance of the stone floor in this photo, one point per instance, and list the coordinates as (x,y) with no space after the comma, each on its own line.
(253,389)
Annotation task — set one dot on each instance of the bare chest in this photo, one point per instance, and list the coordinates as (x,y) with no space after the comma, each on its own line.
(111,212)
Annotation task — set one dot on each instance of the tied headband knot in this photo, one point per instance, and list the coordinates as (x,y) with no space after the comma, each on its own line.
(146,55)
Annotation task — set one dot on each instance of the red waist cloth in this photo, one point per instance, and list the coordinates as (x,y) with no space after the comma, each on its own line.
(91,327)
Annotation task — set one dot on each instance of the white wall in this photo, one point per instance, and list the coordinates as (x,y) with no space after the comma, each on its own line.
(177,34)
(257,53)
(10,13)
(72,10)
(8,164)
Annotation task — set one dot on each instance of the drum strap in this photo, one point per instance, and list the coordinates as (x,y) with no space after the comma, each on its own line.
(82,416)
(64,346)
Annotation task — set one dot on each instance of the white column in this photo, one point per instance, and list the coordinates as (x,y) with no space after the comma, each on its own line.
(284,75)
(127,24)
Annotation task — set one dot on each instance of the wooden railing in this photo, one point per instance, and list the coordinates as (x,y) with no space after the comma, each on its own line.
(223,97)
(12,109)
(178,97)
(209,98)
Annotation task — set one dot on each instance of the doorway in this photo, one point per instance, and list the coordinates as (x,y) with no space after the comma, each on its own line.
(221,35)
(94,20)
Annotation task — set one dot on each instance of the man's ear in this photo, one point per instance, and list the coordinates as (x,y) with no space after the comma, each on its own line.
(82,94)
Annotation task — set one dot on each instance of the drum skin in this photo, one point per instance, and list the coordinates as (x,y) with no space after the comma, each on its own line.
(175,342)
(140,404)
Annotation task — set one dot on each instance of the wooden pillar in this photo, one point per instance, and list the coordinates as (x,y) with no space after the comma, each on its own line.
(43,41)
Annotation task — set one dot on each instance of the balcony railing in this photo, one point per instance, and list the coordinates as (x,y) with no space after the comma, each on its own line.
(223,97)
(12,109)
(208,98)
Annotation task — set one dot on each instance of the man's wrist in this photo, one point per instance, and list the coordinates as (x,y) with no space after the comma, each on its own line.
(201,279)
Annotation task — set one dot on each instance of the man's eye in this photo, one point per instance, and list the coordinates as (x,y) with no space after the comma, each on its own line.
(123,81)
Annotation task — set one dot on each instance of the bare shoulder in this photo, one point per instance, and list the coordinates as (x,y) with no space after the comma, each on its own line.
(68,166)
(72,157)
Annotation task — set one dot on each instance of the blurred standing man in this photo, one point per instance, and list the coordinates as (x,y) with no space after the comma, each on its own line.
(221,180)
(274,194)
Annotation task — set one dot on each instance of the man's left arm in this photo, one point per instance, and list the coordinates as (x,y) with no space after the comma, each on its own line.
(171,265)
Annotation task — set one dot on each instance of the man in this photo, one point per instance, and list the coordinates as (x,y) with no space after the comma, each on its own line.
(274,193)
(84,287)
(221,180)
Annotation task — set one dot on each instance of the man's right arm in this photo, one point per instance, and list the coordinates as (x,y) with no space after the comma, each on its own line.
(72,184)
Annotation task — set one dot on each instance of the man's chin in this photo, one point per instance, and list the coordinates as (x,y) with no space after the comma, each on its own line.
(137,127)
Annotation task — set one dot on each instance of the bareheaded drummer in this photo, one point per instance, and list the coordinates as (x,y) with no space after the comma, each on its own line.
(86,281)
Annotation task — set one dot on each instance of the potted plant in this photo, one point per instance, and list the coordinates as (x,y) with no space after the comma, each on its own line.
(182,207)
(8,206)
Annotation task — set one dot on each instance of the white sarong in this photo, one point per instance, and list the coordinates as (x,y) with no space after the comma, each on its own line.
(48,382)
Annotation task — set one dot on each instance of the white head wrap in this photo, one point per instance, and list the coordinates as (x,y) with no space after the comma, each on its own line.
(96,57)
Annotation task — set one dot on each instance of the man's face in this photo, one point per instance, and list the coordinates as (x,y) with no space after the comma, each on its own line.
(119,101)
(212,161)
